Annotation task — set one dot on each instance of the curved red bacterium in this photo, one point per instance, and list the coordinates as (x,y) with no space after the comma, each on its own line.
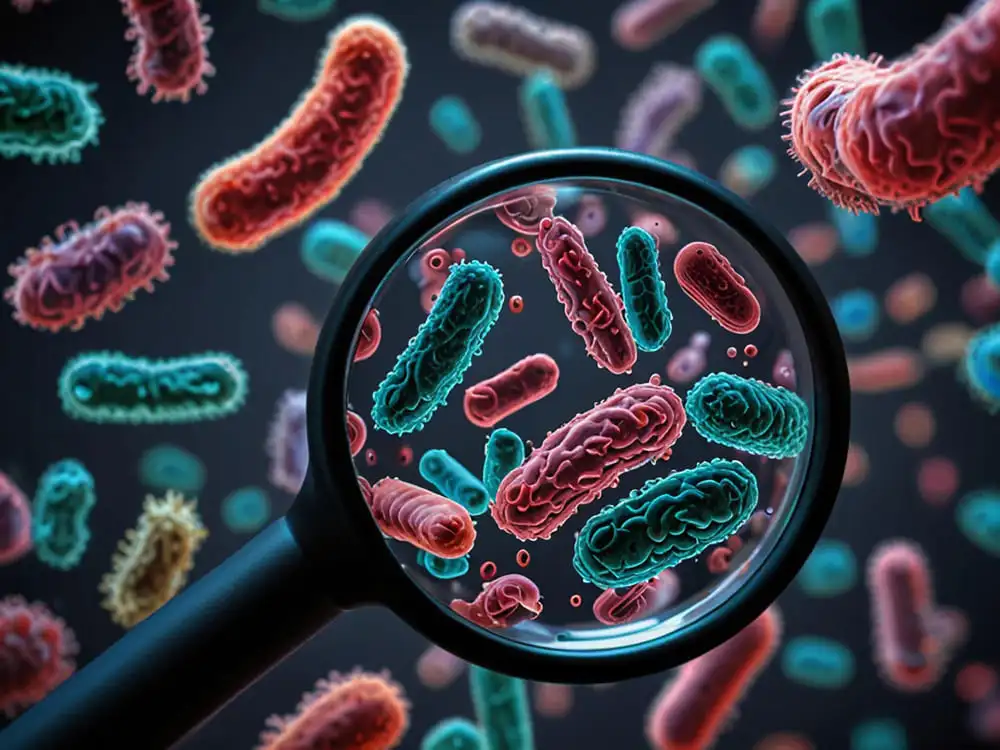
(426,520)
(525,213)
(304,164)
(358,711)
(170,56)
(708,278)
(591,304)
(86,272)
(357,432)
(503,602)
(586,456)
(693,709)
(36,651)
(638,601)
(523,383)
(370,336)
(906,134)
(15,522)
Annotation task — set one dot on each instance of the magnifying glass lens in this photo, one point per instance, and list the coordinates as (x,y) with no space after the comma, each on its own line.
(588,416)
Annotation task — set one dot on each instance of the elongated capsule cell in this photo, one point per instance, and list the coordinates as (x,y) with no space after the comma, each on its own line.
(526,381)
(428,521)
(548,122)
(504,453)
(454,481)
(502,709)
(453,122)
(503,602)
(643,291)
(60,514)
(707,277)
(639,24)
(668,98)
(739,80)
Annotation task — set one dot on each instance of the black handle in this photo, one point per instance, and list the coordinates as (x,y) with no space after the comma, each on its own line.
(176,669)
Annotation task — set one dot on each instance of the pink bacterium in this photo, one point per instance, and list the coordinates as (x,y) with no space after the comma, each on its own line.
(575,601)
(657,225)
(975,681)
(371,457)
(370,215)
(552,700)
(488,570)
(783,372)
(437,668)
(528,380)
(287,446)
(719,560)
(667,99)
(639,24)
(522,558)
(772,22)
(815,242)
(295,329)
(709,279)
(426,520)
(750,351)
(520,247)
(885,370)
(937,480)
(731,352)
(370,336)
(591,216)
(503,602)
(856,467)
(524,214)
(910,297)
(357,432)
(404,456)
(15,522)
(980,300)
(638,601)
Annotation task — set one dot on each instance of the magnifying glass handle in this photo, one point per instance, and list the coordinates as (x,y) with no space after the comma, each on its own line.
(176,669)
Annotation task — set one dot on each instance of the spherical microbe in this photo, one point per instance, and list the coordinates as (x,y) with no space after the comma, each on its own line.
(830,570)
(371,457)
(404,456)
(857,314)
(575,601)
(488,570)
(856,467)
(520,247)
(731,352)
(246,510)
(523,558)
(937,480)
(817,662)
(975,681)
(914,425)
(978,518)
(750,351)
(516,304)
(719,560)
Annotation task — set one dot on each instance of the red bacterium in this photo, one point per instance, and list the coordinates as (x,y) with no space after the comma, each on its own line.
(772,21)
(239,205)
(592,306)
(815,242)
(638,601)
(915,425)
(856,467)
(634,426)
(719,560)
(784,740)
(357,432)
(524,214)
(405,455)
(86,272)
(490,401)
(639,24)
(437,668)
(707,277)
(974,682)
(170,56)
(15,522)
(750,351)
(731,352)
(516,304)
(694,708)
(980,299)
(522,558)
(520,247)
(426,520)
(937,480)
(552,700)
(575,601)
(36,649)
(910,298)
(295,329)
(503,603)
(885,371)
(359,710)
(488,570)
(370,336)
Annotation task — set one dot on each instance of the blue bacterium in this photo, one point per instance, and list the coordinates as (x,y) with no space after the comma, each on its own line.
(817,662)
(329,249)
(834,26)
(502,709)
(729,68)
(170,467)
(858,233)
(966,223)
(441,568)
(978,518)
(246,510)
(992,263)
(857,314)
(467,308)
(830,570)
(643,291)
(748,415)
(298,11)
(548,122)
(453,734)
(60,514)
(748,170)
(112,387)
(46,115)
(980,367)
(504,453)
(664,523)
(454,481)
(453,122)
(879,734)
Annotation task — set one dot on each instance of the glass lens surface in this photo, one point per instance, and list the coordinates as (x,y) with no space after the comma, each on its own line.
(660,391)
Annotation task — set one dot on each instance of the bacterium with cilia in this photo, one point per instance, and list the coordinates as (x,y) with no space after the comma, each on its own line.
(60,513)
(643,290)
(980,367)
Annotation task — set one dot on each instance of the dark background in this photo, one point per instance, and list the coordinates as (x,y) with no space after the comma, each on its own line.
(155,153)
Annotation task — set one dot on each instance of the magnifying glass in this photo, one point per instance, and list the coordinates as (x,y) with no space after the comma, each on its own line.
(551,565)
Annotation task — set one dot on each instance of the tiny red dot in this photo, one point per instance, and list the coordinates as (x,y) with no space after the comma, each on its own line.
(370,457)
(487,570)
(750,350)
(523,558)
(731,352)
(575,601)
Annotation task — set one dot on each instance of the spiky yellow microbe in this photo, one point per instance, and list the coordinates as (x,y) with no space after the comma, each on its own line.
(154,559)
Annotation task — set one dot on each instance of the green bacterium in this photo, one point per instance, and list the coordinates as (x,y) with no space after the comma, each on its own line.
(329,248)
(548,122)
(643,291)
(815,662)
(246,510)
(879,734)
(454,481)
(664,523)
(60,513)
(858,233)
(170,467)
(978,518)
(980,367)
(966,222)
(451,119)
(115,388)
(504,453)
(830,570)
(748,415)
(729,68)
(502,709)
(46,115)
(834,26)
(296,11)
(441,568)
(436,358)
(453,734)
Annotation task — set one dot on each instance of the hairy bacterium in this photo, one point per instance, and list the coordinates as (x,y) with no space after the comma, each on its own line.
(502,709)
(170,467)
(287,447)
(453,734)
(638,601)
(526,381)
(46,115)
(504,453)
(664,523)
(454,481)
(246,510)
(329,249)
(503,602)
(442,568)
(830,570)
(729,68)
(296,11)
(153,560)
(639,24)
(815,662)
(748,170)
(453,122)
(548,123)
(239,205)
(980,368)
(116,388)
(432,364)
(709,279)
(15,522)
(426,520)
(965,221)
(834,26)
(748,415)
(60,514)
(668,98)
(978,518)
(643,290)
(87,272)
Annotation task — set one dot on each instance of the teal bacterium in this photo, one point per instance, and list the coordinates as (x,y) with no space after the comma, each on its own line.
(830,570)
(297,11)
(729,68)
(643,291)
(453,734)
(170,467)
(246,510)
(504,453)
(454,481)
(46,115)
(879,734)
(436,358)
(748,170)
(857,314)
(502,709)
(548,122)
(834,26)
(60,514)
(978,518)
(980,367)
(966,222)
(452,120)
(442,568)
(748,415)
(329,249)
(992,265)
(858,233)
(817,662)
(664,523)
(112,387)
